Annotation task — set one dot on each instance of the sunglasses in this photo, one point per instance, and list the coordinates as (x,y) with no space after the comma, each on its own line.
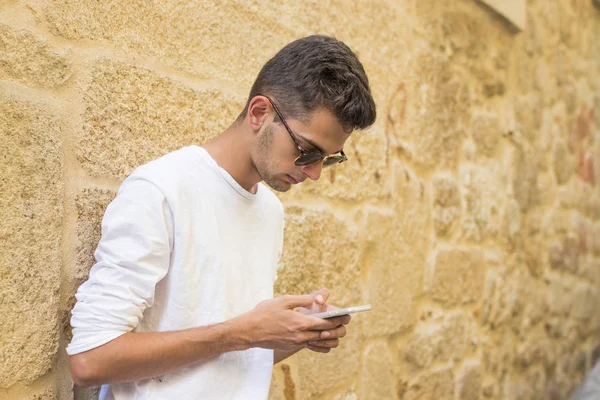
(308,157)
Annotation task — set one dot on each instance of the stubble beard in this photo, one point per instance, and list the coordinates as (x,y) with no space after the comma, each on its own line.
(263,160)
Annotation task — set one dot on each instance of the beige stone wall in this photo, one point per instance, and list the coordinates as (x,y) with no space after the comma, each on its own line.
(468,216)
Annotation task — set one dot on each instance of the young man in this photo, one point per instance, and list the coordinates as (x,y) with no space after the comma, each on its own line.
(179,304)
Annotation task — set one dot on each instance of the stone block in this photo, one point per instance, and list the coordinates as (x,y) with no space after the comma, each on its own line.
(513,299)
(195,37)
(91,204)
(559,296)
(536,348)
(565,255)
(29,60)
(31,209)
(394,268)
(458,276)
(133,115)
(46,394)
(565,163)
(479,188)
(487,132)
(431,385)
(437,112)
(585,302)
(524,166)
(446,204)
(450,340)
(313,258)
(468,381)
(318,373)
(377,376)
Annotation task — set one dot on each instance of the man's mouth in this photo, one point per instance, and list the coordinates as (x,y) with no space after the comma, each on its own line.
(292,180)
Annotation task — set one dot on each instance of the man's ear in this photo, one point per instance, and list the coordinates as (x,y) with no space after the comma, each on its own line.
(258,112)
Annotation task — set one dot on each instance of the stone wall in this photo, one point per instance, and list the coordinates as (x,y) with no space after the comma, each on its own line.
(468,216)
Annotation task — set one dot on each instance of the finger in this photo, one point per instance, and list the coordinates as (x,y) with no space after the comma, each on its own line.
(333,343)
(318,349)
(346,319)
(321,295)
(321,324)
(335,333)
(291,301)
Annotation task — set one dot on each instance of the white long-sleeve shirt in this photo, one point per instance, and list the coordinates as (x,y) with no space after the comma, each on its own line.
(183,245)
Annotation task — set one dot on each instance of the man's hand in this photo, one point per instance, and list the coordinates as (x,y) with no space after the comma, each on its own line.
(274,324)
(329,339)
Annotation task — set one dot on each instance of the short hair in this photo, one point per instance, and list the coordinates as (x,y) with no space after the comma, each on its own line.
(313,72)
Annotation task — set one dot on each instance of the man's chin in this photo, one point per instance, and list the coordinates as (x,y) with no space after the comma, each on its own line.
(279,186)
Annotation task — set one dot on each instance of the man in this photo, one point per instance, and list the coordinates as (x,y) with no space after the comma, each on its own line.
(179,304)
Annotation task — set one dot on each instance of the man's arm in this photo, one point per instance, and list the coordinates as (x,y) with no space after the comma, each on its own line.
(273,324)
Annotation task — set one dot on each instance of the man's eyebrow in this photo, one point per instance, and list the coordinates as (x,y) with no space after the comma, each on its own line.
(316,146)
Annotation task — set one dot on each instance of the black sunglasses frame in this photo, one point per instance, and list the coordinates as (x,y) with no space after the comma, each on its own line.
(308,157)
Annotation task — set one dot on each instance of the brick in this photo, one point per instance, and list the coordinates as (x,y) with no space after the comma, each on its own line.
(377,376)
(31,209)
(458,276)
(312,258)
(468,381)
(30,60)
(133,115)
(431,385)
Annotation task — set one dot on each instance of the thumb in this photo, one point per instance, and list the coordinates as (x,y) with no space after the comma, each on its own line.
(320,296)
(291,301)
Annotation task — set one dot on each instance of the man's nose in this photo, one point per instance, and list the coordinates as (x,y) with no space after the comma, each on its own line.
(313,171)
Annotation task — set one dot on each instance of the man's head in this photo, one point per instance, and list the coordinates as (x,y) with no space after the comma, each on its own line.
(316,89)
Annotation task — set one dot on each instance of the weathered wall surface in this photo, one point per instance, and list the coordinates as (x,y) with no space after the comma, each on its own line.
(468,216)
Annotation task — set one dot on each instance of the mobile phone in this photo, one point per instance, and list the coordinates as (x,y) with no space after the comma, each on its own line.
(342,311)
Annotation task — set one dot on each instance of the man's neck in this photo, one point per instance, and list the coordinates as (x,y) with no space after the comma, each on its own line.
(231,150)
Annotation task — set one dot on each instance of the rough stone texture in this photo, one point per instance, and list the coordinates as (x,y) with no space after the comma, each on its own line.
(487,132)
(378,381)
(31,61)
(320,372)
(433,385)
(312,258)
(468,381)
(91,204)
(458,276)
(30,235)
(446,207)
(447,341)
(133,115)
(394,275)
(482,205)
(468,215)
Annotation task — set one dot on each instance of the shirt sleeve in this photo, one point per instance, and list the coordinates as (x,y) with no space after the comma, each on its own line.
(133,255)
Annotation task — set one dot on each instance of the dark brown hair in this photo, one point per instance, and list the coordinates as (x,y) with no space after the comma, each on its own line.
(317,71)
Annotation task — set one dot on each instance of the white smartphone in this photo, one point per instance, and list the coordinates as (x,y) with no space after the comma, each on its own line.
(342,311)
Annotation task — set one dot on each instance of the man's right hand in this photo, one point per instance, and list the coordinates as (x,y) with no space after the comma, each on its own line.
(273,324)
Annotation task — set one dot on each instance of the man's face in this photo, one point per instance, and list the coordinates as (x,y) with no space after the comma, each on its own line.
(275,151)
